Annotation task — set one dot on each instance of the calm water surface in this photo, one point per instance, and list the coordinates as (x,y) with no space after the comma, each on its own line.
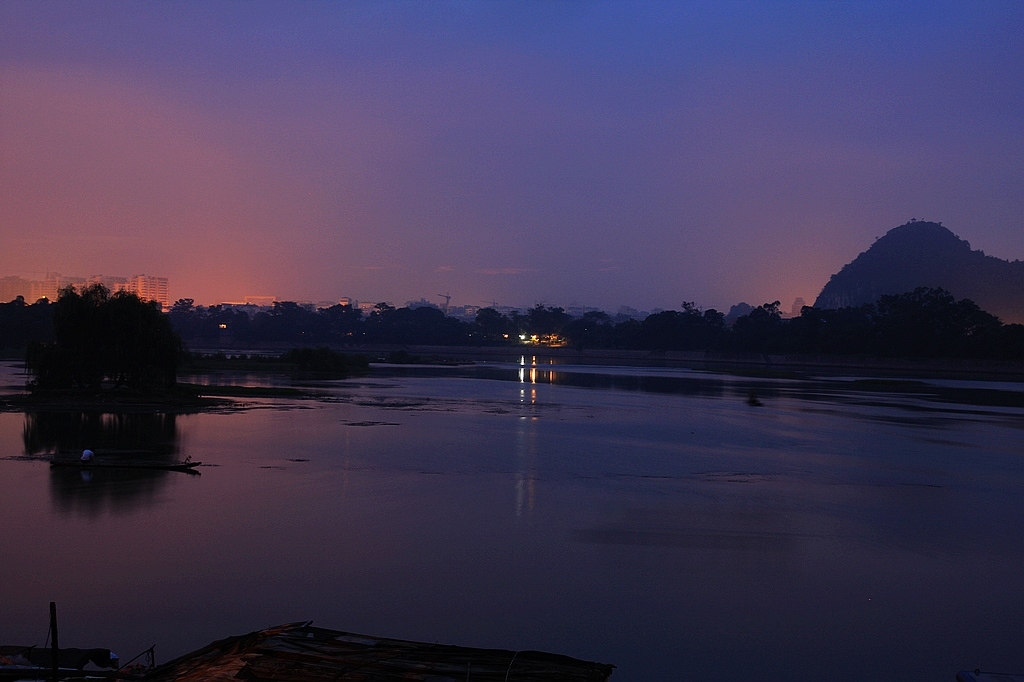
(648,518)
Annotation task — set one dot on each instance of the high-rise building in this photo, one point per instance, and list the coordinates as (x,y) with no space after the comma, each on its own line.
(367,308)
(13,287)
(146,287)
(113,284)
(49,288)
(150,289)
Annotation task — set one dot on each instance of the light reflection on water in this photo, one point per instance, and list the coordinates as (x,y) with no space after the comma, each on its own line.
(651,519)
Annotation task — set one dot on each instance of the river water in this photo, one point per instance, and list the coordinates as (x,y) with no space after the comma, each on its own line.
(651,518)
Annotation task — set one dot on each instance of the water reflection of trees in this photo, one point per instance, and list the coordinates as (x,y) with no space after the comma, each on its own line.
(152,437)
(90,492)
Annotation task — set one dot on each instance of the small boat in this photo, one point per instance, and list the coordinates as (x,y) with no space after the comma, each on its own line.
(187,467)
(36,663)
(59,663)
(982,676)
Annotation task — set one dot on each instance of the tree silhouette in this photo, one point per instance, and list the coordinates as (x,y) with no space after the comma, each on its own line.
(99,337)
(761,330)
(931,323)
(490,326)
(922,323)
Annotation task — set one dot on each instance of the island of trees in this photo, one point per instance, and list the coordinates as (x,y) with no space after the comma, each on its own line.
(97,345)
(98,339)
(924,323)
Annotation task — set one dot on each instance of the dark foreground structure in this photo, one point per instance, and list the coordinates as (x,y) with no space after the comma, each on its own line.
(298,651)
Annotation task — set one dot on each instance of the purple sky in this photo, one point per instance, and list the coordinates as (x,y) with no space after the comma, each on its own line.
(602,153)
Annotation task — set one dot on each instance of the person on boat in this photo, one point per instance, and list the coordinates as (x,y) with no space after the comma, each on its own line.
(87,455)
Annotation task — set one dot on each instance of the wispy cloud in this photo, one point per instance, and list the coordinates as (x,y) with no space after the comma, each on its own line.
(375,268)
(608,265)
(445,268)
(502,271)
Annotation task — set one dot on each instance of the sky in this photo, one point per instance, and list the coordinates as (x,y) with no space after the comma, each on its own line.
(589,153)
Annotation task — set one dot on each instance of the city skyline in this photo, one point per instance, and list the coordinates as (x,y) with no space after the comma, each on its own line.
(147,287)
(609,154)
(157,289)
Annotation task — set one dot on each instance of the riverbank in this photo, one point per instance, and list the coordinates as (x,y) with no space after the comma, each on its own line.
(189,399)
(734,363)
(184,399)
(197,397)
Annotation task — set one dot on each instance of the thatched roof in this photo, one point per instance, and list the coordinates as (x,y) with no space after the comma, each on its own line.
(298,651)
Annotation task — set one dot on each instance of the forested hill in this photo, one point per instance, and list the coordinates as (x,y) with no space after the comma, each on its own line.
(926,254)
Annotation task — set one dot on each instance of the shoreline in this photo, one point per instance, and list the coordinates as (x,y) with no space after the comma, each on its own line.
(194,398)
(740,363)
(191,399)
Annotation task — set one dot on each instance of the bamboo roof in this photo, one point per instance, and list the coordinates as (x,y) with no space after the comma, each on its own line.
(298,651)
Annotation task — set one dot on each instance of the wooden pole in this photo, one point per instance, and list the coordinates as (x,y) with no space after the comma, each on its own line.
(54,646)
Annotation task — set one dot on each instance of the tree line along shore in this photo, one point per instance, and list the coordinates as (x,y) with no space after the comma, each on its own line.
(93,349)
(924,323)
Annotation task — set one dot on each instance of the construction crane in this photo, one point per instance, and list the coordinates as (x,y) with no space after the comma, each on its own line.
(447,299)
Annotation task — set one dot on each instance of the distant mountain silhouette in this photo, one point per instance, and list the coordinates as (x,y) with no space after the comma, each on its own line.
(926,254)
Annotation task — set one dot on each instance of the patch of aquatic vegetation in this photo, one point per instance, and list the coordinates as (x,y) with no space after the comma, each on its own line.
(391,403)
(401,357)
(981,397)
(987,397)
(759,373)
(234,391)
(911,395)
(184,398)
(180,400)
(735,477)
(322,362)
(888,384)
